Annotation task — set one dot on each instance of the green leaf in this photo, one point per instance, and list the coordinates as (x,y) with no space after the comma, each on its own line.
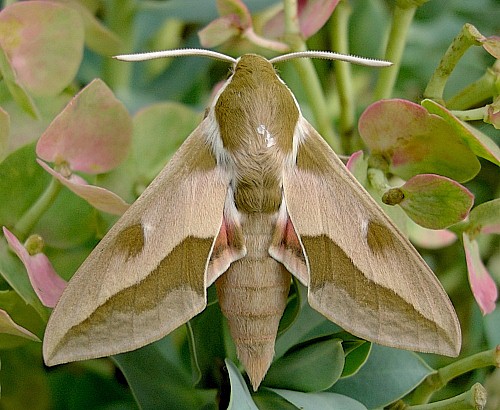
(388,375)
(240,396)
(4,132)
(357,353)
(323,400)
(159,382)
(478,142)
(266,399)
(24,381)
(24,128)
(69,222)
(22,320)
(433,201)
(207,346)
(98,37)
(486,217)
(308,325)
(9,327)
(292,308)
(159,130)
(22,181)
(315,366)
(19,94)
(492,329)
(89,384)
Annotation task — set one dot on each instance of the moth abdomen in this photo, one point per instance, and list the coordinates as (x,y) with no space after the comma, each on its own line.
(252,295)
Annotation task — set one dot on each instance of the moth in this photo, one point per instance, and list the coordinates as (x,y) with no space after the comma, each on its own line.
(253,196)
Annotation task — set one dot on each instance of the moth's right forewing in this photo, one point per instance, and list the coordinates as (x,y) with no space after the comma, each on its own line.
(148,274)
(363,273)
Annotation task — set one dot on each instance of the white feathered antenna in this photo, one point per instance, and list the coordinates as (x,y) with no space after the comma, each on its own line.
(285,57)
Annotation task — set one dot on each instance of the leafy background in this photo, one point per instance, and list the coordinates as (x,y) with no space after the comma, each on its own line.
(317,365)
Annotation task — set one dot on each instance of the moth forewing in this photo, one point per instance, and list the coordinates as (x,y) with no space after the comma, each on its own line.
(363,273)
(147,275)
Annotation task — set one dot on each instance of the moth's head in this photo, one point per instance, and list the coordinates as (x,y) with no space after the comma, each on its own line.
(253,63)
(252,69)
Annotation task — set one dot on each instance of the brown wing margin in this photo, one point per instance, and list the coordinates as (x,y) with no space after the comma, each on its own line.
(148,274)
(364,274)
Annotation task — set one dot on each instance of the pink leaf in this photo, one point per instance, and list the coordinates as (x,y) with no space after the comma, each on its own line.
(413,141)
(492,45)
(44,43)
(358,166)
(313,14)
(218,31)
(354,159)
(429,238)
(235,8)
(482,285)
(98,197)
(8,326)
(92,134)
(47,284)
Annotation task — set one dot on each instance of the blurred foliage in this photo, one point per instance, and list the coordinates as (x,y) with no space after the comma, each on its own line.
(194,367)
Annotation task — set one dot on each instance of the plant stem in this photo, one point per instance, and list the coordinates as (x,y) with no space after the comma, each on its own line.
(24,226)
(460,44)
(378,180)
(441,377)
(471,115)
(119,18)
(478,91)
(316,99)
(340,20)
(292,26)
(401,21)
(474,399)
(308,75)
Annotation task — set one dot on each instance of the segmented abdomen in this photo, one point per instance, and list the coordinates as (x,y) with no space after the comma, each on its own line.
(252,295)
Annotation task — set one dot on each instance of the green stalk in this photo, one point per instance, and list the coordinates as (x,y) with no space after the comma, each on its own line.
(25,225)
(471,115)
(119,18)
(292,27)
(477,92)
(317,102)
(343,74)
(441,377)
(473,399)
(460,44)
(308,76)
(401,21)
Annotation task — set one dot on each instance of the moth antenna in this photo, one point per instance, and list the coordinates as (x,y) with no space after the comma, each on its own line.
(328,55)
(176,53)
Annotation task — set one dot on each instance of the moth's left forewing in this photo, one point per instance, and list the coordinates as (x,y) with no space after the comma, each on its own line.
(148,275)
(363,273)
